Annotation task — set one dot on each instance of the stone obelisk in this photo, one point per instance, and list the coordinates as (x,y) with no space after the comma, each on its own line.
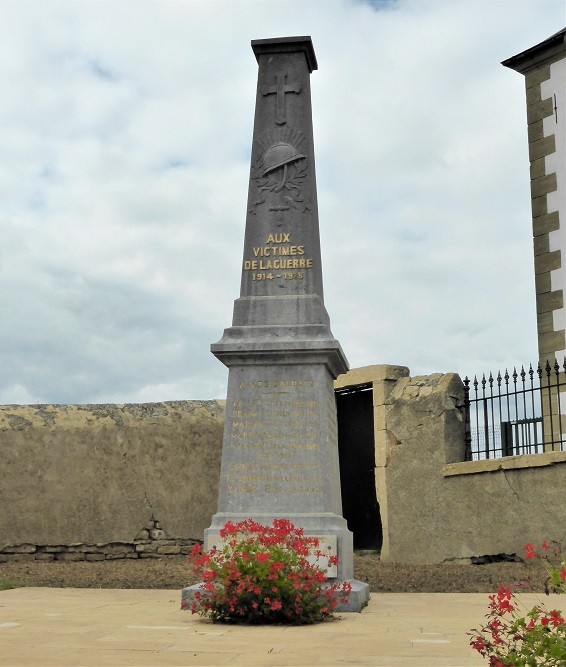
(280,452)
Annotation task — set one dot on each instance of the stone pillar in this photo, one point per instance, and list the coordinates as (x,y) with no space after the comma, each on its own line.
(280,449)
(544,68)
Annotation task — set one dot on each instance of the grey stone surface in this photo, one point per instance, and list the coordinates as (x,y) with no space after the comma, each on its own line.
(280,449)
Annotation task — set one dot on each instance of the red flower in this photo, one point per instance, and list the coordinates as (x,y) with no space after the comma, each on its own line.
(555,618)
(495,662)
(545,546)
(529,550)
(262,557)
(478,643)
(563,573)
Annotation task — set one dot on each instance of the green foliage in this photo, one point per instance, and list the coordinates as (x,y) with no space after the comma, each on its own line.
(7,583)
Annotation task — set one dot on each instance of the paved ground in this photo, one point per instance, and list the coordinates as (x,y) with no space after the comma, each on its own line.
(49,627)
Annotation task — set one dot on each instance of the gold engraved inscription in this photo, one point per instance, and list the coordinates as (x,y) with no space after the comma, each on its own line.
(273,257)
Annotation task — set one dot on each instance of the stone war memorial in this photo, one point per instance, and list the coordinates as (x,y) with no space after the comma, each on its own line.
(280,448)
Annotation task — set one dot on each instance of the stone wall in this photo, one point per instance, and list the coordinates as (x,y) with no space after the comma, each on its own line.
(108,479)
(139,481)
(434,506)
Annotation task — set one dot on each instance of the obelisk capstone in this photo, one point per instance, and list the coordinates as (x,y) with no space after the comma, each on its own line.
(280,450)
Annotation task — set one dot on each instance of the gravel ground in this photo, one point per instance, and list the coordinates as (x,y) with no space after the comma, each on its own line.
(174,573)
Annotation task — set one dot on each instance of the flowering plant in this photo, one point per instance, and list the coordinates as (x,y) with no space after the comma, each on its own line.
(261,574)
(556,580)
(538,637)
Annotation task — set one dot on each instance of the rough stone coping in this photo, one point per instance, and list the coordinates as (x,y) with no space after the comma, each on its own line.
(366,374)
(504,463)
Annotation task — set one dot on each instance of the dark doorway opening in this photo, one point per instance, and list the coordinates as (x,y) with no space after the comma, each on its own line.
(356,450)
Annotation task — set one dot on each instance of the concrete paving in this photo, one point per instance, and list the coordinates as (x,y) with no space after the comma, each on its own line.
(70,626)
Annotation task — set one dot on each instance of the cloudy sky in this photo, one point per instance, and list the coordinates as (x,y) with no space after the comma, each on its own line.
(125,135)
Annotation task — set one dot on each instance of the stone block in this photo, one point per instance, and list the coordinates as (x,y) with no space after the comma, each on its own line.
(118,556)
(370,374)
(20,549)
(18,558)
(550,301)
(540,110)
(94,557)
(548,261)
(145,554)
(545,322)
(538,168)
(70,555)
(540,244)
(44,556)
(543,283)
(164,543)
(539,206)
(542,147)
(533,95)
(142,535)
(544,224)
(117,548)
(551,342)
(78,548)
(157,534)
(190,542)
(543,185)
(52,550)
(535,131)
(171,549)
(380,417)
(146,548)
(537,77)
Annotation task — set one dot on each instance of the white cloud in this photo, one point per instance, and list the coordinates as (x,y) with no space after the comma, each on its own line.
(125,131)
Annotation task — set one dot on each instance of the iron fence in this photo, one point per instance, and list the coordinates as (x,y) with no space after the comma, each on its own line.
(517,413)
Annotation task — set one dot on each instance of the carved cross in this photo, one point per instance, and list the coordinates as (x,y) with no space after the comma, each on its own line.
(279,89)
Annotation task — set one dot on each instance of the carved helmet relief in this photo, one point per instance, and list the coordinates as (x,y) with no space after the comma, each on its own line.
(279,168)
(280,154)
